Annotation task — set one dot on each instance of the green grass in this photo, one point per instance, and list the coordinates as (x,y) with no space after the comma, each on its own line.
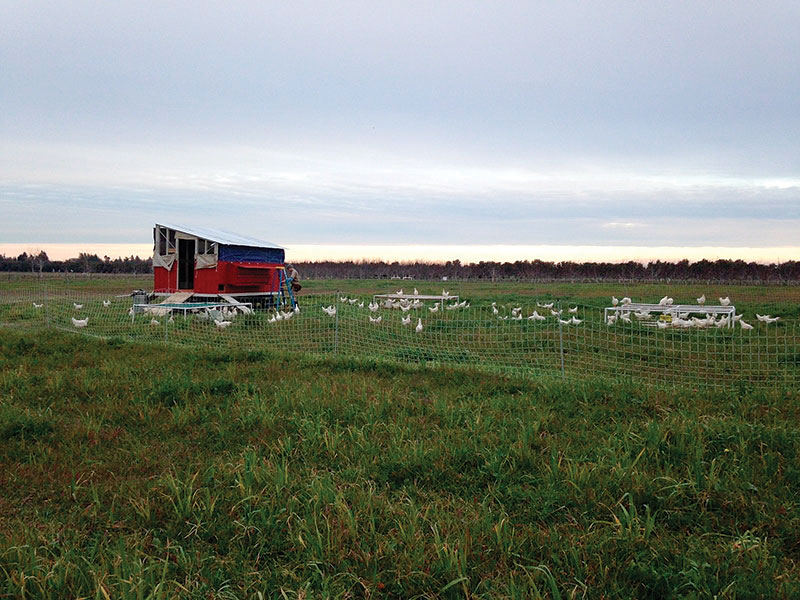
(134,473)
(716,358)
(784,297)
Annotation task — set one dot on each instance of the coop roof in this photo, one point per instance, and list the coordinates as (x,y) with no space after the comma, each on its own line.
(221,237)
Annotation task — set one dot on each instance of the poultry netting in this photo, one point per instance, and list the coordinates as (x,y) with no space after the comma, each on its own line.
(751,345)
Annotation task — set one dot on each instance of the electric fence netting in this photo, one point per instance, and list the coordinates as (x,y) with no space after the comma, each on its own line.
(548,337)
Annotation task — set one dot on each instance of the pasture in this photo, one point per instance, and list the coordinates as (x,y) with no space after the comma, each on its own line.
(217,473)
(488,333)
(329,456)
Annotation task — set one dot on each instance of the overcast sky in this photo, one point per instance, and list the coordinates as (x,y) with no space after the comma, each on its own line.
(575,123)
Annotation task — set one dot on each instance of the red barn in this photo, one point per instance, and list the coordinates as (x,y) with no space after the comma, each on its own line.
(209,263)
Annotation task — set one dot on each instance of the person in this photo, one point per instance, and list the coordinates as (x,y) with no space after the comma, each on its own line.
(293,278)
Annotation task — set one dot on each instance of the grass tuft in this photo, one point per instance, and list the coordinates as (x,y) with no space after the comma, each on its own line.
(25,425)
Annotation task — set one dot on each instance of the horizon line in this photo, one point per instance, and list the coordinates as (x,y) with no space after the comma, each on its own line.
(442,253)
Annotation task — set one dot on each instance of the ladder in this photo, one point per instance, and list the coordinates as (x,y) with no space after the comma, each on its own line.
(285,293)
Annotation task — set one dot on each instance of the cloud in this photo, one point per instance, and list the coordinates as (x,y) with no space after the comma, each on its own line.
(615,225)
(526,123)
(347,211)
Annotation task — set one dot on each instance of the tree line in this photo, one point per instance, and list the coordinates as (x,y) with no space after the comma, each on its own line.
(83,263)
(521,270)
(529,270)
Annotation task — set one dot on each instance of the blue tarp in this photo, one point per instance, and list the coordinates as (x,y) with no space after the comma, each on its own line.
(250,254)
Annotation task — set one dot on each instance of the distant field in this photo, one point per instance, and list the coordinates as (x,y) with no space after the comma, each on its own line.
(129,473)
(596,294)
(787,297)
(93,282)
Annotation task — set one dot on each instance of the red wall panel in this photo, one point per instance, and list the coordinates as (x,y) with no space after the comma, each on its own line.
(206,280)
(165,281)
(226,277)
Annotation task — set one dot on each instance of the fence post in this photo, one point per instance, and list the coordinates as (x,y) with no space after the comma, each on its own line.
(46,305)
(561,340)
(336,326)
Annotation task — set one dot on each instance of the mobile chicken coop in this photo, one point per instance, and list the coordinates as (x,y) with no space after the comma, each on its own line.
(192,264)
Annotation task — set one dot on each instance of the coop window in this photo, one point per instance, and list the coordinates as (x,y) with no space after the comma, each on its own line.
(162,240)
(165,240)
(206,247)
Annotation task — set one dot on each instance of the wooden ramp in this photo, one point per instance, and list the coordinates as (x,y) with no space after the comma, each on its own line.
(244,308)
(177,298)
(229,298)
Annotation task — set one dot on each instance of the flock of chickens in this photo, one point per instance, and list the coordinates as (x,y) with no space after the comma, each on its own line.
(682,320)
(224,317)
(403,302)
(516,314)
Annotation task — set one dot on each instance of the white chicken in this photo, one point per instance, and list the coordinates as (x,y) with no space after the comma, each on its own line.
(767,318)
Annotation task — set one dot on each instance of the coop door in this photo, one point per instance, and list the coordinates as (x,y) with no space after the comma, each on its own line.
(186,264)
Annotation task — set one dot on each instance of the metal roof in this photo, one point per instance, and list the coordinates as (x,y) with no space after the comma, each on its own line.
(221,237)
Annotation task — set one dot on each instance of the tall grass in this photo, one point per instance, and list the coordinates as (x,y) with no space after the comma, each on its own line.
(233,474)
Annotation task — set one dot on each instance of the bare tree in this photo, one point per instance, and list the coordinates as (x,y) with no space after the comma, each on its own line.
(38,258)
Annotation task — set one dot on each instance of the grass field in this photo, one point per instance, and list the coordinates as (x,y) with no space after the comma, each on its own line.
(768,355)
(783,299)
(778,298)
(209,474)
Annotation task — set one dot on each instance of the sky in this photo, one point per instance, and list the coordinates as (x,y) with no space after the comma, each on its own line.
(592,127)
